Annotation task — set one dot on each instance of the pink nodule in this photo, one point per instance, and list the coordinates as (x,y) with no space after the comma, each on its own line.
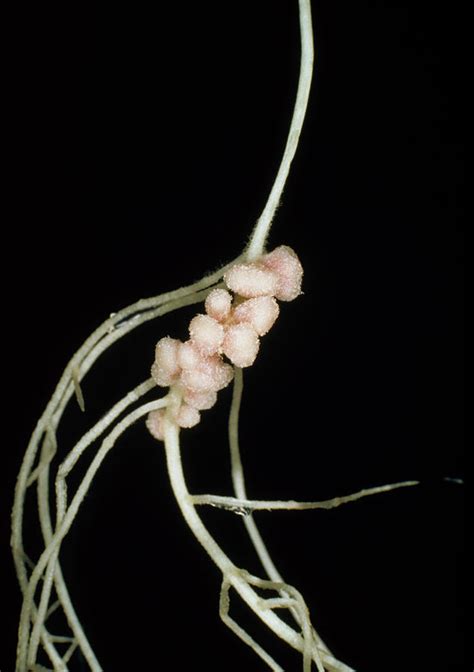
(251,280)
(189,356)
(154,423)
(188,416)
(202,401)
(218,304)
(166,369)
(284,262)
(206,333)
(211,375)
(241,344)
(260,312)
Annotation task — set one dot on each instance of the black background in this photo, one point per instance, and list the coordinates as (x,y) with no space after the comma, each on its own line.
(145,141)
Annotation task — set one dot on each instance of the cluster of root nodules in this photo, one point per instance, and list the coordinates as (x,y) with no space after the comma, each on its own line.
(229,331)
